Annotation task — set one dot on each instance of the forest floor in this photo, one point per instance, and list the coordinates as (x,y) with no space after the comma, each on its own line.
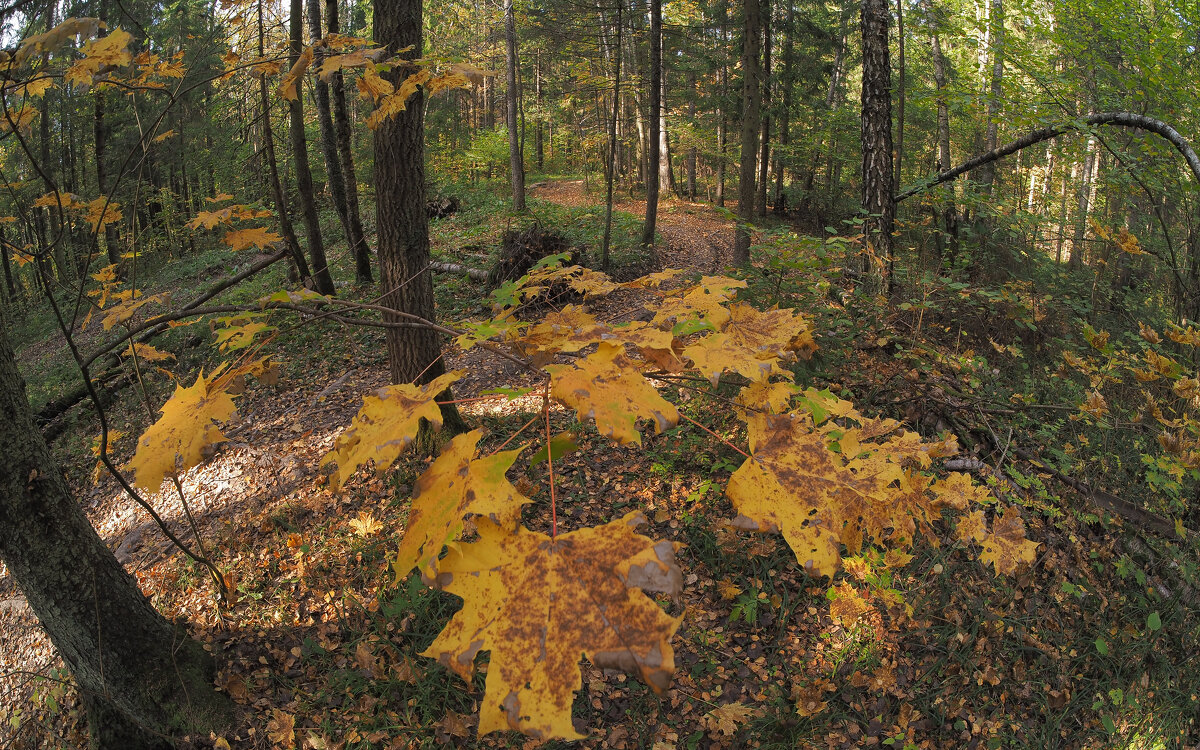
(321,647)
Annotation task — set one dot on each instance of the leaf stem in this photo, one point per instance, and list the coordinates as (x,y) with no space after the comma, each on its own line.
(718,437)
(550,463)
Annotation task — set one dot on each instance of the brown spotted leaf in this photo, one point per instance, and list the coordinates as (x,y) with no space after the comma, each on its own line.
(454,485)
(539,604)
(824,487)
(1005,546)
(385,425)
(607,387)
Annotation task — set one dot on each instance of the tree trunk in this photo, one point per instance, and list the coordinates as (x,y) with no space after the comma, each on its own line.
(516,159)
(329,148)
(414,353)
(1082,204)
(877,196)
(722,114)
(299,263)
(341,125)
(100,132)
(751,91)
(764,163)
(785,82)
(5,251)
(538,136)
(304,183)
(611,172)
(949,214)
(900,70)
(987,173)
(142,679)
(652,143)
(691,154)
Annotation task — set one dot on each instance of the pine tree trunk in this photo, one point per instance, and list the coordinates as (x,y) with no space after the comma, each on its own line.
(652,139)
(141,678)
(304,183)
(878,200)
(516,159)
(764,163)
(751,91)
(414,353)
(900,69)
(299,262)
(329,147)
(341,126)
(722,114)
(779,202)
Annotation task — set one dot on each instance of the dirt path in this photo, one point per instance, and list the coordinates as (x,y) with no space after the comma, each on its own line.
(695,236)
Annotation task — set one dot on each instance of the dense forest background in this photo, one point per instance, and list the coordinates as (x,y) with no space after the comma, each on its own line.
(974,224)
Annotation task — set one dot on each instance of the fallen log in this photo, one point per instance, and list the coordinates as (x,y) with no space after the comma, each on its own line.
(476,274)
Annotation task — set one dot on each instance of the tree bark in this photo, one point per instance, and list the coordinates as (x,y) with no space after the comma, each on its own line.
(764,165)
(304,183)
(414,354)
(516,159)
(900,71)
(877,200)
(611,171)
(949,214)
(779,202)
(329,146)
(141,678)
(281,207)
(722,113)
(1117,119)
(987,172)
(341,126)
(692,151)
(751,91)
(652,143)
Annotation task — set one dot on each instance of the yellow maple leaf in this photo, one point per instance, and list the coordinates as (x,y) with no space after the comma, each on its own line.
(726,719)
(385,425)
(147,352)
(750,343)
(177,441)
(210,219)
(240,239)
(538,604)
(281,729)
(445,81)
(365,524)
(372,86)
(38,86)
(606,387)
(703,301)
(356,59)
(1005,546)
(454,485)
(567,330)
(122,312)
(102,212)
(817,498)
(395,103)
(848,606)
(56,37)
(658,347)
(164,136)
(288,88)
(240,336)
(111,49)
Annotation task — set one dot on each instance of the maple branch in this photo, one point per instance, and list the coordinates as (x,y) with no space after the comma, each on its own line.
(1118,119)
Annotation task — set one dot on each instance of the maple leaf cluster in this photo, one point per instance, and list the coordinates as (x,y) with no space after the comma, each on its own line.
(831,480)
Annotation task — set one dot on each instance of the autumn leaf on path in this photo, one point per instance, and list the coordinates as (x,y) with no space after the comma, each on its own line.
(1005,546)
(539,604)
(281,729)
(387,422)
(726,719)
(454,485)
(606,386)
(365,524)
(188,425)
